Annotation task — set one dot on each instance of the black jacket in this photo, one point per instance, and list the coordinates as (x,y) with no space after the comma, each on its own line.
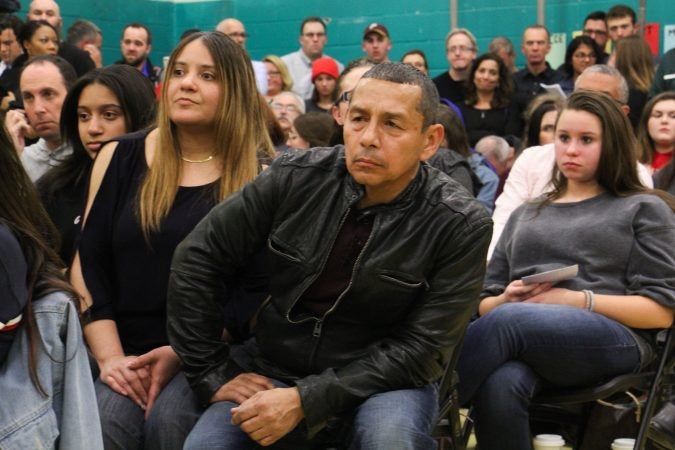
(413,289)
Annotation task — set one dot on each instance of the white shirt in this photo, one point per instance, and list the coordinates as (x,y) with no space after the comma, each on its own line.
(529,178)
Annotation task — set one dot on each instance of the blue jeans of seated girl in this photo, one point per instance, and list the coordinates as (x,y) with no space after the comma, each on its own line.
(512,352)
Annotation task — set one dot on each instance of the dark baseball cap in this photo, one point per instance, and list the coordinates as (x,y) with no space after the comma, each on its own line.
(376,28)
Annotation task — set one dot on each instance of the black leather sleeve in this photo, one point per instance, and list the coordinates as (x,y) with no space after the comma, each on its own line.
(202,265)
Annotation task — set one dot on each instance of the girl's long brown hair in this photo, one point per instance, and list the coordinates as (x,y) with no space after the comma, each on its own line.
(617,168)
(22,212)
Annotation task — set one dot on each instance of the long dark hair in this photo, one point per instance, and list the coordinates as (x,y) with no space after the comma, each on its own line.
(504,90)
(573,46)
(135,94)
(22,212)
(617,168)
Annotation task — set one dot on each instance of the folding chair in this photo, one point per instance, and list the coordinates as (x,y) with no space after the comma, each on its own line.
(449,432)
(548,406)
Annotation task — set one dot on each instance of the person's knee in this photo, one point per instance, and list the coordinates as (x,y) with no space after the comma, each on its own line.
(121,419)
(398,434)
(398,419)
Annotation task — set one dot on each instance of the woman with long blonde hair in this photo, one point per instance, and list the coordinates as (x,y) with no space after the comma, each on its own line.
(147,191)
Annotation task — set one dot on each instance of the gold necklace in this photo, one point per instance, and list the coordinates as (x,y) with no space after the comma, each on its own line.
(197,161)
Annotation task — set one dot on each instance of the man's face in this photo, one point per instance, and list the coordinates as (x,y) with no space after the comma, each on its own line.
(313,39)
(134,46)
(460,52)
(376,47)
(384,139)
(535,45)
(9,46)
(234,29)
(286,109)
(596,30)
(45,10)
(620,27)
(43,91)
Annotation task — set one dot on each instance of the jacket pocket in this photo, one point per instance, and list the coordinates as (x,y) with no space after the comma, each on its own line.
(278,248)
(403,280)
(38,433)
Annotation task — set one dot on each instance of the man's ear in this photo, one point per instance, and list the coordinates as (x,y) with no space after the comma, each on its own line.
(433,136)
(335,112)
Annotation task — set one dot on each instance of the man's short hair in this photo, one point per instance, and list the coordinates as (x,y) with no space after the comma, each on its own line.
(400,73)
(537,26)
(65,68)
(13,22)
(138,25)
(82,30)
(501,42)
(612,72)
(596,15)
(311,19)
(465,32)
(495,146)
(619,11)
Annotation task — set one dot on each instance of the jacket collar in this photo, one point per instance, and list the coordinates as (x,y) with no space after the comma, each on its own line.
(355,191)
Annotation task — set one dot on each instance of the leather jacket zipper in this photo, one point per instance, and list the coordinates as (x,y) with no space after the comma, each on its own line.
(318,273)
(318,326)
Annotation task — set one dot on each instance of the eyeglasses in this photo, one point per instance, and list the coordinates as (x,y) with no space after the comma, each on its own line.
(459,48)
(290,108)
(591,32)
(314,35)
(581,55)
(344,97)
(238,34)
(273,73)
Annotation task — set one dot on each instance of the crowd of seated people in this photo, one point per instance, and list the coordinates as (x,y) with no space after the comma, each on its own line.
(103,177)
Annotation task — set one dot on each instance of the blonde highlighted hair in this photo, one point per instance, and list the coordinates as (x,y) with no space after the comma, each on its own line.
(286,80)
(239,131)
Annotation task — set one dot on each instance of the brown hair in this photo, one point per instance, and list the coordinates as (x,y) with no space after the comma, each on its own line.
(646,144)
(237,131)
(617,167)
(22,212)
(634,61)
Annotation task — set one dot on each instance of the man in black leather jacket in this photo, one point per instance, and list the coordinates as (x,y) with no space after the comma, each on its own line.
(376,261)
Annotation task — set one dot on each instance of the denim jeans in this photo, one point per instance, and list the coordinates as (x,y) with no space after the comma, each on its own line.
(124,426)
(512,352)
(401,420)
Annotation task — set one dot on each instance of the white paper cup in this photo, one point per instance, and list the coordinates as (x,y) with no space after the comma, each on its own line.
(623,444)
(548,442)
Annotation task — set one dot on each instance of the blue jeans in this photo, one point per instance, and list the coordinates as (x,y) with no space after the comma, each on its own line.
(512,352)
(399,420)
(124,426)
